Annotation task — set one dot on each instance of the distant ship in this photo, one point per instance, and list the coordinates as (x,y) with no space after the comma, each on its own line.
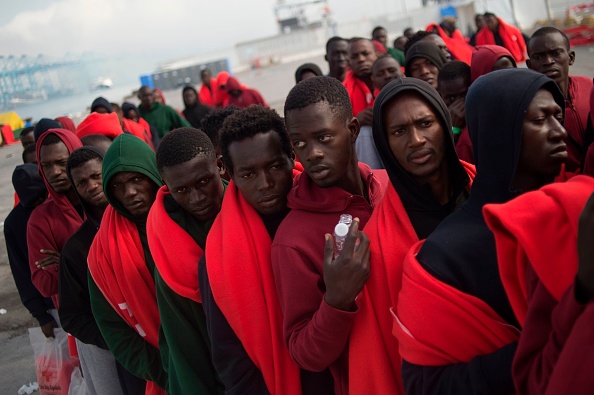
(101,83)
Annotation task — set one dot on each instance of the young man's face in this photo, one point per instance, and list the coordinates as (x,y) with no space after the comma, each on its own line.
(550,56)
(452,90)
(190,97)
(133,115)
(146,97)
(415,135)
(135,191)
(262,172)
(88,183)
(196,186)
(423,69)
(27,139)
(323,142)
(337,56)
(381,35)
(437,40)
(361,57)
(205,76)
(53,159)
(543,148)
(385,70)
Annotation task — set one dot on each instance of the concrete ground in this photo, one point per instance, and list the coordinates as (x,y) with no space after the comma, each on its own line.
(16,356)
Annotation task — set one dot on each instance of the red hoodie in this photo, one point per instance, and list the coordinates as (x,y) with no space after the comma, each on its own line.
(316,333)
(247,98)
(577,109)
(485,57)
(51,224)
(206,94)
(456,44)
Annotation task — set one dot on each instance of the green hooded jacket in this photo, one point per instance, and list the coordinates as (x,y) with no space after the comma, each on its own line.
(128,153)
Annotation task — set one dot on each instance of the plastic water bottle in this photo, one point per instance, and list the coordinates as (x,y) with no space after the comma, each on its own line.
(340,233)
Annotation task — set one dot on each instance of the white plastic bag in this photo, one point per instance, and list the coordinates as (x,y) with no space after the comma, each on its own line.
(52,361)
(78,385)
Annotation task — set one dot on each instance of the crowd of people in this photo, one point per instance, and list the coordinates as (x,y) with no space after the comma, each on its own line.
(198,251)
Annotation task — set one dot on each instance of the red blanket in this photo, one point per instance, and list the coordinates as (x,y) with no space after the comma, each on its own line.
(453,327)
(117,265)
(391,236)
(361,96)
(139,131)
(242,282)
(552,253)
(456,44)
(177,266)
(512,38)
(207,95)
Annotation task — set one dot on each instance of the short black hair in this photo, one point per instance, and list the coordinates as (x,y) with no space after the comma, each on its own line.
(51,139)
(543,31)
(27,130)
(332,40)
(355,39)
(488,14)
(396,40)
(81,156)
(317,90)
(454,70)
(247,123)
(182,145)
(28,151)
(211,124)
(406,29)
(383,57)
(94,139)
(418,36)
(376,29)
(205,71)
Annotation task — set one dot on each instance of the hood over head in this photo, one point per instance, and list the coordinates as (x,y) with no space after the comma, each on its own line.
(128,153)
(484,57)
(44,125)
(190,87)
(427,50)
(86,208)
(101,102)
(222,78)
(28,185)
(312,67)
(105,124)
(495,108)
(233,85)
(67,124)
(418,200)
(126,106)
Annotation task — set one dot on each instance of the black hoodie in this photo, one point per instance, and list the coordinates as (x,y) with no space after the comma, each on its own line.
(194,114)
(73,289)
(461,251)
(423,209)
(30,189)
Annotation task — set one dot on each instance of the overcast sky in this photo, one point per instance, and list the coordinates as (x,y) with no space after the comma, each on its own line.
(170,28)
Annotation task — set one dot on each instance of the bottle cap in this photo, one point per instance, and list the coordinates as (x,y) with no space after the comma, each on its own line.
(341,230)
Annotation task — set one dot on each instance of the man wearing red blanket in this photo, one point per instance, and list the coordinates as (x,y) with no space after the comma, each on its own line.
(465,340)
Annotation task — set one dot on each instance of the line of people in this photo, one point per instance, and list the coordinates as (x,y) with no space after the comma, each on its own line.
(211,265)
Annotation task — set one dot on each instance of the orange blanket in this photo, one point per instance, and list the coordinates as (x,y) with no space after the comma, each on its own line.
(512,37)
(175,252)
(456,44)
(242,282)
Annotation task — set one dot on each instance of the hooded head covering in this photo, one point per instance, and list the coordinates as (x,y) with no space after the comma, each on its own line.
(70,140)
(27,184)
(427,50)
(105,124)
(424,211)
(44,125)
(195,113)
(67,124)
(233,85)
(128,153)
(495,108)
(84,205)
(101,102)
(126,106)
(159,92)
(484,57)
(307,67)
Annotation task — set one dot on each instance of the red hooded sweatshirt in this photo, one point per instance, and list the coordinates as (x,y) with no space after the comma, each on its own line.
(511,36)
(485,57)
(247,98)
(51,224)
(577,109)
(206,94)
(316,333)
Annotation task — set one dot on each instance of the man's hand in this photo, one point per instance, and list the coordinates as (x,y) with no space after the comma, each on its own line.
(457,111)
(48,329)
(365,117)
(52,258)
(585,246)
(346,275)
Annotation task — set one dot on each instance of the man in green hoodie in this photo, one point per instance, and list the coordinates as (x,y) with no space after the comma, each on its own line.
(163,117)
(177,226)
(121,267)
